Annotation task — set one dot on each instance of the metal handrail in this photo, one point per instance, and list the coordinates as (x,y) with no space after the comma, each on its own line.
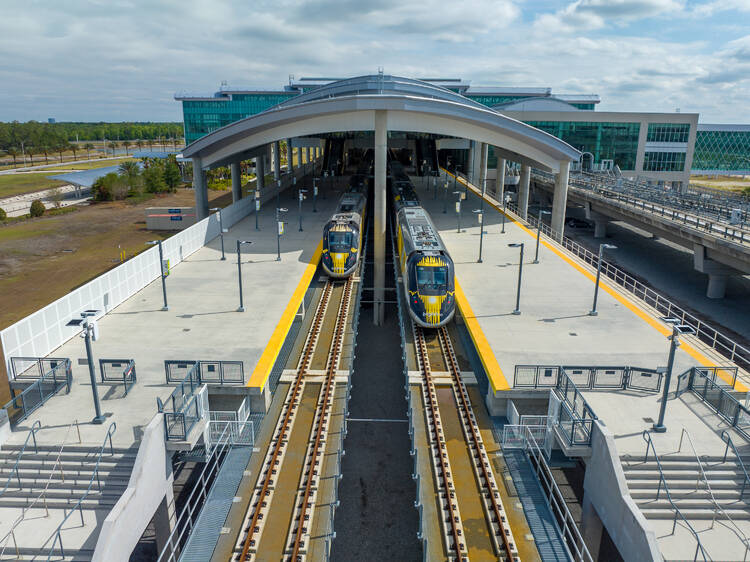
(730,443)
(717,507)
(570,532)
(662,480)
(706,333)
(20,519)
(36,426)
(56,535)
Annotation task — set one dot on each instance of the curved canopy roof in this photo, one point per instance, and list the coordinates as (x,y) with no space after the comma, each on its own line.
(411,106)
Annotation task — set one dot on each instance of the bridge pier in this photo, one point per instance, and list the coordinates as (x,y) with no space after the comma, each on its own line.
(289,156)
(260,172)
(200,189)
(718,273)
(483,148)
(560,199)
(276,160)
(500,181)
(236,181)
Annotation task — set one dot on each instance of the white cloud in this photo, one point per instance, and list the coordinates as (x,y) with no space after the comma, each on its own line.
(596,14)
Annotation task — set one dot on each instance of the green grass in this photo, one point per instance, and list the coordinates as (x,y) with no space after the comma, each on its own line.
(16,184)
(90,165)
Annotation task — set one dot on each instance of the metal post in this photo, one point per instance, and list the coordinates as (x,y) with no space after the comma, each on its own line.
(505,204)
(602,247)
(517,311)
(539,234)
(315,195)
(659,427)
(221,231)
(257,205)
(239,271)
(87,329)
(163,277)
(301,197)
(458,210)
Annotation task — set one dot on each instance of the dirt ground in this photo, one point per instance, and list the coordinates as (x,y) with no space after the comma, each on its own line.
(43,259)
(730,183)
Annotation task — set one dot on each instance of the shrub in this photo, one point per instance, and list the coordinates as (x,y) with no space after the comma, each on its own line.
(3,215)
(153,179)
(172,175)
(37,208)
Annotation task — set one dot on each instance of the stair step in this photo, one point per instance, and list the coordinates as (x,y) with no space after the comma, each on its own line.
(28,484)
(66,466)
(684,475)
(96,504)
(691,466)
(52,457)
(46,470)
(693,504)
(693,514)
(724,494)
(71,447)
(653,484)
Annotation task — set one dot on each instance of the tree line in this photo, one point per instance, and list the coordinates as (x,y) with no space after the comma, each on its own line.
(132,179)
(49,136)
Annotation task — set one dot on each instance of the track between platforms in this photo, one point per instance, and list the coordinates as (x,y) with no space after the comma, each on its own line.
(434,347)
(259,512)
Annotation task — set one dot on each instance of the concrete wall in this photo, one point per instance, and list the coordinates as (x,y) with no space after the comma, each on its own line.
(149,483)
(605,487)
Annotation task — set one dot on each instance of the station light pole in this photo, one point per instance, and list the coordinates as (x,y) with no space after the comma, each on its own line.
(602,247)
(459,196)
(517,311)
(161,268)
(90,331)
(539,233)
(301,198)
(239,270)
(677,329)
(221,231)
(279,231)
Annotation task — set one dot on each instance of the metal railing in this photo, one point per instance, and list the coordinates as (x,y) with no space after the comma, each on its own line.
(728,439)
(706,333)
(11,534)
(56,536)
(208,372)
(717,507)
(118,370)
(240,433)
(37,393)
(514,436)
(677,513)
(36,426)
(588,377)
(181,410)
(716,397)
(33,367)
(564,521)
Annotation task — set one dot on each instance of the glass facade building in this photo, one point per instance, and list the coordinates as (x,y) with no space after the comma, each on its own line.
(668,132)
(722,148)
(604,140)
(664,162)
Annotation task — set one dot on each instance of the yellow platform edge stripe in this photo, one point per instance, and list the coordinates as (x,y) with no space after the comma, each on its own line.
(630,305)
(486,355)
(262,370)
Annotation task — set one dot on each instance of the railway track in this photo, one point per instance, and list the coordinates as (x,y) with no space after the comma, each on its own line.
(298,534)
(498,527)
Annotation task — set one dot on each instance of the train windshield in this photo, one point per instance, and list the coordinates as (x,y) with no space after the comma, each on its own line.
(340,241)
(432,278)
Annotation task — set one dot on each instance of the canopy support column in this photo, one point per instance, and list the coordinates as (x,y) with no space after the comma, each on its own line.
(523,191)
(236,182)
(560,200)
(201,191)
(379,213)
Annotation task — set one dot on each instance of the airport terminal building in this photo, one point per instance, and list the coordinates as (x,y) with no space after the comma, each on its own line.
(659,147)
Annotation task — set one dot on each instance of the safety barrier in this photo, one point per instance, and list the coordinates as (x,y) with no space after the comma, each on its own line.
(182,409)
(37,393)
(514,436)
(208,372)
(589,378)
(707,334)
(118,370)
(32,367)
(716,396)
(36,426)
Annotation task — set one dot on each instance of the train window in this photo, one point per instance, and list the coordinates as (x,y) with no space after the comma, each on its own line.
(340,240)
(432,277)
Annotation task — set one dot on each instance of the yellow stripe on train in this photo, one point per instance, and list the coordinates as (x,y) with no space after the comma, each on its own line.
(431,261)
(339,262)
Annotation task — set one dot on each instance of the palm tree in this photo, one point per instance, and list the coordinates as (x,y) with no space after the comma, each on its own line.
(126,144)
(88,147)
(113,145)
(139,144)
(45,150)
(74,149)
(150,143)
(62,147)
(30,150)
(13,151)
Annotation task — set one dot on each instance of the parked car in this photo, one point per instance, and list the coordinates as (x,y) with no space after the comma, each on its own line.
(577,223)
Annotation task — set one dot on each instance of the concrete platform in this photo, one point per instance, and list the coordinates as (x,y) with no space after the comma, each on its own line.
(202,321)
(554,326)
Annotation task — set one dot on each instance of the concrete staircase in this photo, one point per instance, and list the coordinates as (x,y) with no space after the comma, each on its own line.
(68,481)
(721,539)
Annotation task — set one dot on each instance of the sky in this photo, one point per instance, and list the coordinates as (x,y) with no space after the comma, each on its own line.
(120,60)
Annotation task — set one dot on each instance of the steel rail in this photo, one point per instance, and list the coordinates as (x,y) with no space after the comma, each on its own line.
(302,521)
(272,464)
(438,448)
(493,504)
